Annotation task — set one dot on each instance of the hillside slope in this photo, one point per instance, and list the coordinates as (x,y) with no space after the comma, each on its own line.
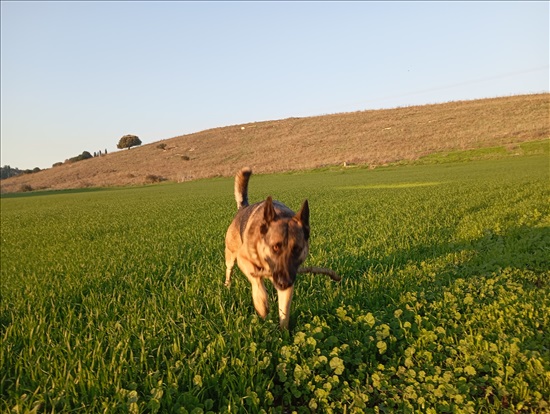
(373,137)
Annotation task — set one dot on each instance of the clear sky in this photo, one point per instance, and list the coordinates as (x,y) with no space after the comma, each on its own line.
(77,76)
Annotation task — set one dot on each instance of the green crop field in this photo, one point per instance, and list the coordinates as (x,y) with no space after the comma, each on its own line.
(113,300)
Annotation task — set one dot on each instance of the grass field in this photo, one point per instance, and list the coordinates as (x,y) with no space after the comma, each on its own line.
(113,300)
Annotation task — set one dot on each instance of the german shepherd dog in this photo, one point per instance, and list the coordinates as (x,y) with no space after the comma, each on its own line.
(268,240)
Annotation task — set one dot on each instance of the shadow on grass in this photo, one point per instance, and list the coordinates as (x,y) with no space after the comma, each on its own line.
(526,248)
(377,284)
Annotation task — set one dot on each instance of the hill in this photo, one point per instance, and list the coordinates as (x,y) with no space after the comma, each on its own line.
(373,137)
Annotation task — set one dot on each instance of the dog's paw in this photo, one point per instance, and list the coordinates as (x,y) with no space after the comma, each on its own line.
(227,283)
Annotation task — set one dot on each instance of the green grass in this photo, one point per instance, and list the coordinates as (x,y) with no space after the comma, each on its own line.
(113,300)
(529,148)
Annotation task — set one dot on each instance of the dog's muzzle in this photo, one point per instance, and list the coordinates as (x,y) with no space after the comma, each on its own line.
(283,275)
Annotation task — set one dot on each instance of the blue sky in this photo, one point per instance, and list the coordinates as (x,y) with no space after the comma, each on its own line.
(77,76)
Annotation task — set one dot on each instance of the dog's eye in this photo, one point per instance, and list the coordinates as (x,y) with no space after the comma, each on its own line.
(276,247)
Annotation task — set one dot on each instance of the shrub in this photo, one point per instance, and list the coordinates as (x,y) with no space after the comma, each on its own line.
(152,178)
(161,146)
(84,156)
(34,170)
(6,172)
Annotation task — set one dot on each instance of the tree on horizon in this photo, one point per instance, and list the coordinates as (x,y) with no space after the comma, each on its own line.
(128,141)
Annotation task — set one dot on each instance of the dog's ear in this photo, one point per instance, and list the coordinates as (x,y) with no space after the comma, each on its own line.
(269,214)
(303,217)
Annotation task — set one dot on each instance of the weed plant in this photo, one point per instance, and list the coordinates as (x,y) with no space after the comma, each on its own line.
(113,300)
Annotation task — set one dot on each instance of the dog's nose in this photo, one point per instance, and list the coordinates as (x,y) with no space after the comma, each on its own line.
(283,281)
(283,284)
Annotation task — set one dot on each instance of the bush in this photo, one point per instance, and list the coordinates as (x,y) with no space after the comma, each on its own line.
(6,172)
(152,178)
(161,146)
(84,156)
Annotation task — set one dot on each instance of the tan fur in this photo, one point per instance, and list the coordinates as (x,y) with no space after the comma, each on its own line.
(267,240)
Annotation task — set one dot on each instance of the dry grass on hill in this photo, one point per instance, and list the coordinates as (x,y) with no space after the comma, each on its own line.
(374,137)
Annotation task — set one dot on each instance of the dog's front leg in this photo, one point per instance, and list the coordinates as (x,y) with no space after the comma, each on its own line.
(284,299)
(230,258)
(259,294)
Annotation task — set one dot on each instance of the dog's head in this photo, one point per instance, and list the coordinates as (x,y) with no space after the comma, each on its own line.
(285,243)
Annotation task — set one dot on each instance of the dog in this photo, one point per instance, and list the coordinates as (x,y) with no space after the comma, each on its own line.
(267,240)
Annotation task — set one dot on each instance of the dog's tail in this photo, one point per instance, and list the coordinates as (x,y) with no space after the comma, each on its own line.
(241,187)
